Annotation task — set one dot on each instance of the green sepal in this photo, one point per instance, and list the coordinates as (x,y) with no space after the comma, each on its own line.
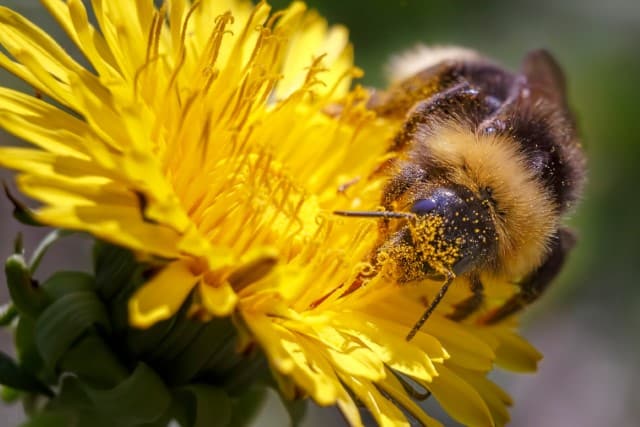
(16,377)
(203,406)
(27,350)
(296,408)
(183,332)
(93,362)
(141,398)
(64,321)
(71,407)
(18,244)
(119,303)
(145,341)
(166,340)
(215,340)
(245,407)
(28,299)
(44,246)
(50,419)
(113,267)
(289,395)
(8,313)
(9,395)
(62,283)
(249,368)
(20,212)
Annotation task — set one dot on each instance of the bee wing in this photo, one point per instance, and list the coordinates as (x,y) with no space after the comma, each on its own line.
(538,92)
(544,77)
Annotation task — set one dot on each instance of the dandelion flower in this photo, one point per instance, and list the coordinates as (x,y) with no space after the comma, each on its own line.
(199,137)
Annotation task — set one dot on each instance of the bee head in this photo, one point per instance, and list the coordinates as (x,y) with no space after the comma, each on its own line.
(451,231)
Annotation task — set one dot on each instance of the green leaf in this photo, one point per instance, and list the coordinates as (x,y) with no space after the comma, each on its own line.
(141,398)
(204,406)
(14,376)
(62,283)
(26,296)
(64,321)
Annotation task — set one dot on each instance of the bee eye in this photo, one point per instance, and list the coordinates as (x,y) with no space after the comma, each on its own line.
(423,206)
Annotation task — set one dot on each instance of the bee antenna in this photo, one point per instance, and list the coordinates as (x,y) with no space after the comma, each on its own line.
(432,306)
(375,214)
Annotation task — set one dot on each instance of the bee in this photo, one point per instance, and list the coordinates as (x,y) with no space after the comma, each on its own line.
(488,163)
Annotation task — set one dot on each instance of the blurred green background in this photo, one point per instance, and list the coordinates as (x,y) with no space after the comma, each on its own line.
(587,324)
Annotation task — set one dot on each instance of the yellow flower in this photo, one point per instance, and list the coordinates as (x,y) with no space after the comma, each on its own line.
(200,136)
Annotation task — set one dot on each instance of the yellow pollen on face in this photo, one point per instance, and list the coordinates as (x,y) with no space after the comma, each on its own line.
(432,245)
(430,251)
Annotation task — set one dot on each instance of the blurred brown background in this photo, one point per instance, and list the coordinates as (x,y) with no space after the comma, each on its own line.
(587,324)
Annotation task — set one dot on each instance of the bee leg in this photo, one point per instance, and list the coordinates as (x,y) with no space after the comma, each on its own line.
(342,188)
(464,308)
(535,283)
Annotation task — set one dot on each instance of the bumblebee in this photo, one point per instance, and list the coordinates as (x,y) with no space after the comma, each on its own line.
(488,164)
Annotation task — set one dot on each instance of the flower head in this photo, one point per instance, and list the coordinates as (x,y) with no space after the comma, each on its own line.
(208,136)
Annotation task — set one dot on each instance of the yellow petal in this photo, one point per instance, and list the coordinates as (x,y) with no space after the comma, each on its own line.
(465,348)
(384,412)
(514,353)
(18,34)
(48,164)
(46,82)
(392,348)
(162,296)
(459,399)
(313,371)
(73,18)
(85,190)
(350,410)
(218,300)
(269,336)
(120,26)
(459,340)
(128,230)
(392,386)
(359,362)
(47,126)
(497,400)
